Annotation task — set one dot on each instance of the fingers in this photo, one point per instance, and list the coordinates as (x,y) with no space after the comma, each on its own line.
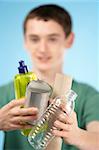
(65,119)
(20,122)
(61,129)
(62,126)
(65,126)
(23,119)
(25,111)
(14,103)
(60,133)
(23,115)
(15,110)
(18,102)
(18,126)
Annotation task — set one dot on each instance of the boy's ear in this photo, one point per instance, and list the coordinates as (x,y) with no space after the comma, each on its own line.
(70,40)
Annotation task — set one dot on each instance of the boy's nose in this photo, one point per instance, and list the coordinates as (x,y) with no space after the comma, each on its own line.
(43,46)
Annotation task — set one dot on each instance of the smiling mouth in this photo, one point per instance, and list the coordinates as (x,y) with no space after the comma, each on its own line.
(44,58)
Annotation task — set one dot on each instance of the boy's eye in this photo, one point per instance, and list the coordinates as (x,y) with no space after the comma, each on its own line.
(34,39)
(53,39)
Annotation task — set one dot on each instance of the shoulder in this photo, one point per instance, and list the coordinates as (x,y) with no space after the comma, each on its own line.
(88,97)
(83,88)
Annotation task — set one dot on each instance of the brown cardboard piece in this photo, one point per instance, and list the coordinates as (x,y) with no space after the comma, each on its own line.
(62,84)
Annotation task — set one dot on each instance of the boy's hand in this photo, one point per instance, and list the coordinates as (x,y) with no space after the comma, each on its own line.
(13,117)
(67,128)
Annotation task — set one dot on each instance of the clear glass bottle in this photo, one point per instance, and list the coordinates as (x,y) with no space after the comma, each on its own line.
(41,133)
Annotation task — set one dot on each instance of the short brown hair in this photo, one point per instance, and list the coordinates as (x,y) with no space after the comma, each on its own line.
(51,12)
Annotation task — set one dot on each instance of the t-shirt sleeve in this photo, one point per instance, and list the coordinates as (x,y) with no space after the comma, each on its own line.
(91,106)
(6,94)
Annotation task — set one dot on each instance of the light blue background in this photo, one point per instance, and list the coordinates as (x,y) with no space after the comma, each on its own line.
(82,60)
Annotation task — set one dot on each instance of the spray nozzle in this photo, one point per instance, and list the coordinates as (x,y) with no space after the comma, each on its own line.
(22,67)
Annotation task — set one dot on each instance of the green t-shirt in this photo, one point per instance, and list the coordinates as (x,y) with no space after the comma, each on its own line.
(86,107)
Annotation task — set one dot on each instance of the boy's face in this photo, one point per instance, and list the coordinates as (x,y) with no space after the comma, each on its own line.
(45,42)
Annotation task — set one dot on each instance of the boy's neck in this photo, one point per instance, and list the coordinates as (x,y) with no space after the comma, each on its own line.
(48,76)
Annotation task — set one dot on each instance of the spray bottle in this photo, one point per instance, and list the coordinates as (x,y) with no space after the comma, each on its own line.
(21,81)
